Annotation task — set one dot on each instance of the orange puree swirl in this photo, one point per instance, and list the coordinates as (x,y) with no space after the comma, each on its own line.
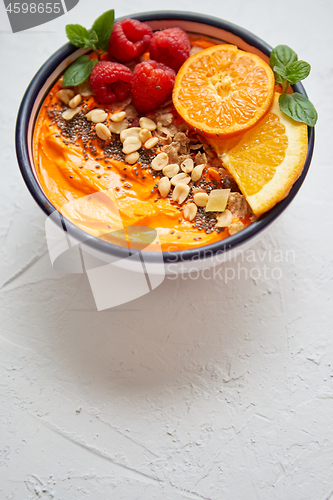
(68,172)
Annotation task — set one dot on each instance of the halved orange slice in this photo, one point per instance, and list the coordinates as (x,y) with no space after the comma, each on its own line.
(223,90)
(266,160)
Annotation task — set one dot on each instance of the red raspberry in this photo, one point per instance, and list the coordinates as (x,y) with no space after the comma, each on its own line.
(170,47)
(151,85)
(110,82)
(130,38)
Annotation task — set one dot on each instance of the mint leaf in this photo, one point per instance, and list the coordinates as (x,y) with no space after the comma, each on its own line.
(298,107)
(78,35)
(103,27)
(93,38)
(289,70)
(78,71)
(282,56)
(280,74)
(297,71)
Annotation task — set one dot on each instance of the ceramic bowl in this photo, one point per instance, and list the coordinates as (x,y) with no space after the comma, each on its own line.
(220,31)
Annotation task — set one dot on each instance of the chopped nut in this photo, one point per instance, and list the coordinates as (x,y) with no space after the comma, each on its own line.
(151,142)
(132,158)
(164,186)
(75,101)
(235,227)
(131,144)
(144,135)
(190,211)
(171,170)
(96,116)
(217,200)
(195,49)
(180,193)
(187,165)
(118,117)
(147,123)
(180,178)
(200,199)
(197,172)
(65,95)
(129,132)
(224,219)
(70,113)
(61,82)
(118,127)
(197,189)
(102,131)
(160,161)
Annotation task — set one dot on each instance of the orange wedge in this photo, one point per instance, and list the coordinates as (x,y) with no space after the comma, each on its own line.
(266,160)
(223,90)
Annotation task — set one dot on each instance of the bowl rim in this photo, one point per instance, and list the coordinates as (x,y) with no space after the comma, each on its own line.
(224,245)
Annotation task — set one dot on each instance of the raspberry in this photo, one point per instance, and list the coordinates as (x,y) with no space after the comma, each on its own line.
(170,47)
(151,85)
(130,38)
(110,81)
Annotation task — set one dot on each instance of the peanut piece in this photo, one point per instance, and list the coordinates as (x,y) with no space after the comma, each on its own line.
(102,131)
(132,131)
(200,199)
(197,172)
(147,123)
(180,178)
(144,135)
(65,95)
(160,161)
(151,142)
(119,116)
(132,158)
(61,82)
(187,165)
(164,186)
(131,144)
(96,116)
(171,170)
(190,211)
(118,127)
(75,101)
(180,193)
(70,113)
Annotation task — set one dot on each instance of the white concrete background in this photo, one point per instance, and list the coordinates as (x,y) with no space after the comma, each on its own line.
(202,389)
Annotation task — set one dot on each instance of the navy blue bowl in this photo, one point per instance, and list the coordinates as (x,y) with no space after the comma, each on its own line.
(217,29)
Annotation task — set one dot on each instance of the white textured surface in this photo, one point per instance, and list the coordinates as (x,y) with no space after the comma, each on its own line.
(199,390)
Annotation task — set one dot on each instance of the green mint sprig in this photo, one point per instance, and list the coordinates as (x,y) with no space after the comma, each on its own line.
(78,71)
(288,70)
(96,38)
